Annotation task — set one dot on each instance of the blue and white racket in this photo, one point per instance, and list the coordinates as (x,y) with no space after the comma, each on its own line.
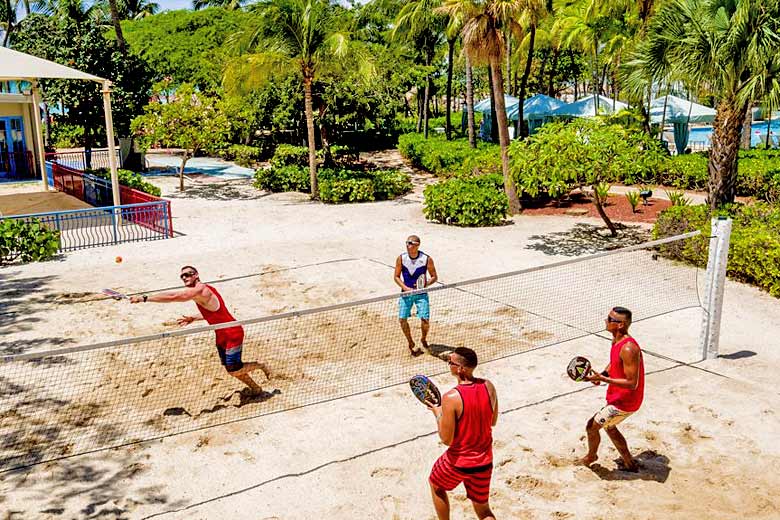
(425,391)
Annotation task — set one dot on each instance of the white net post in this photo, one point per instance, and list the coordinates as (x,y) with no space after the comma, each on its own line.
(713,292)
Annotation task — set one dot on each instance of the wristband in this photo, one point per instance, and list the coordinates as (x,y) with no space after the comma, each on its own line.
(145,298)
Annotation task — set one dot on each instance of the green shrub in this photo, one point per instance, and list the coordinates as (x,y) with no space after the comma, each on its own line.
(754,252)
(27,241)
(346,190)
(283,178)
(64,135)
(477,201)
(127,178)
(685,172)
(336,185)
(289,155)
(242,154)
(449,158)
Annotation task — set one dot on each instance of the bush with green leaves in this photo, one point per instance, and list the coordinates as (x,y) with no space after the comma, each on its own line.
(467,201)
(64,135)
(336,184)
(127,178)
(26,241)
(449,158)
(290,155)
(242,154)
(685,172)
(754,251)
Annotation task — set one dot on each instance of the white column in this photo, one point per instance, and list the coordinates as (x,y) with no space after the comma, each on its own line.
(38,131)
(110,139)
(716,281)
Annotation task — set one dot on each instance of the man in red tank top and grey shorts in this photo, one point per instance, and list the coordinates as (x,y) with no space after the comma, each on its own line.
(625,376)
(465,419)
(212,309)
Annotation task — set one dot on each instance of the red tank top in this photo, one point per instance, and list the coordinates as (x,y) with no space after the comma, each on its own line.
(473,443)
(624,398)
(228,337)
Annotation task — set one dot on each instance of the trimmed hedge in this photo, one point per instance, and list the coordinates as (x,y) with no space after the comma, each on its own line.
(127,178)
(754,252)
(467,201)
(27,241)
(336,185)
(449,158)
(243,155)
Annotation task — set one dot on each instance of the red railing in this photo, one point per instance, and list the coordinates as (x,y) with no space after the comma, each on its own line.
(73,182)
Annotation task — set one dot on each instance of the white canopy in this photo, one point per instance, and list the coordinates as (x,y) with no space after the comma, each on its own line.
(679,110)
(15,65)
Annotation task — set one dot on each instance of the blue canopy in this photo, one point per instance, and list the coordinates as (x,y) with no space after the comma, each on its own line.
(538,106)
(585,107)
(484,105)
(680,112)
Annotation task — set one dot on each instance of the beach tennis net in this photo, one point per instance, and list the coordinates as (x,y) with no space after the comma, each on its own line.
(79,399)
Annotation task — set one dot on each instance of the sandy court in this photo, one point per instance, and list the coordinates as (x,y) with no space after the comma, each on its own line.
(706,441)
(39,202)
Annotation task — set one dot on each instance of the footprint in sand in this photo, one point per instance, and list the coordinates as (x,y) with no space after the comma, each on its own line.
(387,472)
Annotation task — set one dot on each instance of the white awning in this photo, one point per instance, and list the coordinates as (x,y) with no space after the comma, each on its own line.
(15,65)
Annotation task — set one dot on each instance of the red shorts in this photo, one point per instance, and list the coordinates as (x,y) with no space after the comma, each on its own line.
(476,480)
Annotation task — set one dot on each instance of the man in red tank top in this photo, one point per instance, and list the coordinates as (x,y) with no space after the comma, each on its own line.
(625,375)
(465,419)
(212,309)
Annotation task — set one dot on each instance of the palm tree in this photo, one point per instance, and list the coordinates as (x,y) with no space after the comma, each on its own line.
(299,34)
(137,9)
(420,23)
(116,20)
(533,11)
(728,45)
(483,36)
(231,5)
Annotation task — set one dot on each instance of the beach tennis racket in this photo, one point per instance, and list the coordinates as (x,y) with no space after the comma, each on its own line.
(578,368)
(114,294)
(425,391)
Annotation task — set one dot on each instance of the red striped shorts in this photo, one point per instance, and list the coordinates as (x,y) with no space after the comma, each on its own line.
(476,480)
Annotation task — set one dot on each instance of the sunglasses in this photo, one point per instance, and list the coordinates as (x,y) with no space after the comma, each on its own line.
(453,364)
(613,320)
(410,243)
(185,276)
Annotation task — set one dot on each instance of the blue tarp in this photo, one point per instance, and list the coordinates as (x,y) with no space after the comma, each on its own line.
(585,107)
(484,105)
(536,107)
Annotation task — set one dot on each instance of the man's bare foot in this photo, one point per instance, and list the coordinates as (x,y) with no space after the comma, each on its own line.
(587,460)
(252,392)
(414,350)
(629,468)
(425,346)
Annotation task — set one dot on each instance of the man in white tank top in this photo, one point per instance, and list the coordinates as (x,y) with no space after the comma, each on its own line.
(414,270)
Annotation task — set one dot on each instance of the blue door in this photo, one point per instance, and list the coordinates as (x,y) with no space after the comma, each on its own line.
(14,160)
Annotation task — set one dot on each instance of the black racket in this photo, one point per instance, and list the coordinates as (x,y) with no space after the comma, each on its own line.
(578,368)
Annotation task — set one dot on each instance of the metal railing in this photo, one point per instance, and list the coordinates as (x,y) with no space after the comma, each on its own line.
(17,166)
(93,227)
(97,192)
(83,160)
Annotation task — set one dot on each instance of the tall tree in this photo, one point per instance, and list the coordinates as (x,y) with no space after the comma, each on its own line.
(116,20)
(304,34)
(728,45)
(420,22)
(532,13)
(483,37)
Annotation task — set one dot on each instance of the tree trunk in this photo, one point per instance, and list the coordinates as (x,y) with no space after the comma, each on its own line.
(722,164)
(425,106)
(419,111)
(470,104)
(120,38)
(508,38)
(595,79)
(768,125)
(493,118)
(448,119)
(503,135)
(524,82)
(327,157)
(550,84)
(9,26)
(747,129)
(315,189)
(184,160)
(603,214)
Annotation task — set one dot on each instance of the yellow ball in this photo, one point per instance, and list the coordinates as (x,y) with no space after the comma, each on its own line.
(118,260)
